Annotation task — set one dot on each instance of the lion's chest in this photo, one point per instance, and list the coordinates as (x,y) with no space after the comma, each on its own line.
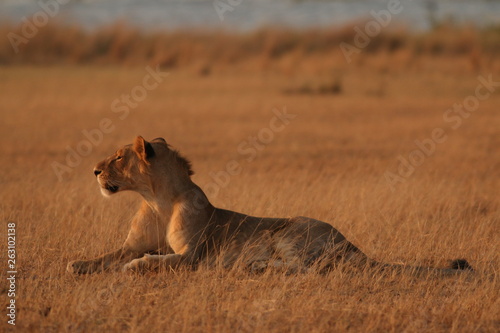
(177,239)
(178,234)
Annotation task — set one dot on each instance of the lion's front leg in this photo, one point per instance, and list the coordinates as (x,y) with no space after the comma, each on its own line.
(147,233)
(105,262)
(153,263)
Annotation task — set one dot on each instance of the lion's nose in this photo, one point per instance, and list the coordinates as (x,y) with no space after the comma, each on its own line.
(97,172)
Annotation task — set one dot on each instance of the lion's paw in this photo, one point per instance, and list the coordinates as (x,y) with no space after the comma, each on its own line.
(79,267)
(136,265)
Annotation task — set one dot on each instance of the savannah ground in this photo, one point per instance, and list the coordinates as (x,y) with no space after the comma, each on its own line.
(330,162)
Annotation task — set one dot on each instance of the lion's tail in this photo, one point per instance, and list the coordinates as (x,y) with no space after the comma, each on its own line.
(454,267)
(460,264)
(346,252)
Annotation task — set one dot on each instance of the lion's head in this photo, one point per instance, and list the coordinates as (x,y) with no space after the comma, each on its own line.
(141,167)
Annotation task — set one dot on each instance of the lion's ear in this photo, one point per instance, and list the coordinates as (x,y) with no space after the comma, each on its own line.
(160,140)
(143,149)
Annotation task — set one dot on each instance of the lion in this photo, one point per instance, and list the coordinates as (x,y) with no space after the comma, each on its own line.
(177,220)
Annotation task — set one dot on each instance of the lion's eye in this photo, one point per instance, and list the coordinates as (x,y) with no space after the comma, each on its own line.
(118,158)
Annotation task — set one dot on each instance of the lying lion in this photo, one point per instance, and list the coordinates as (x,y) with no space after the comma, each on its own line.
(177,220)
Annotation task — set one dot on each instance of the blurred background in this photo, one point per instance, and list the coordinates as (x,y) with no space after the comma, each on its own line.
(251,15)
(367,79)
(354,70)
(162,31)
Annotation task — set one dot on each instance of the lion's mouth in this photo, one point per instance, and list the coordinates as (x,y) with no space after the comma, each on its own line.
(111,188)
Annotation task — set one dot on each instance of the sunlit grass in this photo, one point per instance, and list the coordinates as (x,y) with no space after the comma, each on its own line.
(328,163)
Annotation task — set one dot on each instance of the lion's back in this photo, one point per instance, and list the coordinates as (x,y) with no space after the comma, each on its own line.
(251,239)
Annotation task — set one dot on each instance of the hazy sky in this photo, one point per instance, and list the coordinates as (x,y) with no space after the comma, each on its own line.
(248,15)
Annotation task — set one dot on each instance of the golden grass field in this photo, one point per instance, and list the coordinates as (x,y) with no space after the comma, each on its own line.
(328,163)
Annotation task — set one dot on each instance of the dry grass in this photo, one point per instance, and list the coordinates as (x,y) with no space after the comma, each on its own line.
(328,163)
(119,44)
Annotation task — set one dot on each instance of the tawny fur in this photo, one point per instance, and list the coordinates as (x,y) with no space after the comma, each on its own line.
(177,220)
